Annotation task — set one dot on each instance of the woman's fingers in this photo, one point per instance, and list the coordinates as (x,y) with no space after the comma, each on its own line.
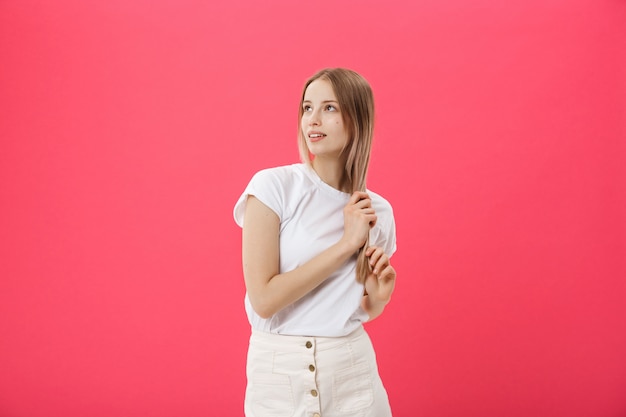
(379,287)
(378,259)
(358,196)
(387,274)
(359,218)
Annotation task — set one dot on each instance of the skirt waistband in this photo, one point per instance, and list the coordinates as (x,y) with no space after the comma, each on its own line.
(290,343)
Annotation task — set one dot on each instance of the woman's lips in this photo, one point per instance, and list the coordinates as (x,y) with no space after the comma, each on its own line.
(316,136)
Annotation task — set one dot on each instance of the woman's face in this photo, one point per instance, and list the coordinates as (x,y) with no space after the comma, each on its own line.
(322,123)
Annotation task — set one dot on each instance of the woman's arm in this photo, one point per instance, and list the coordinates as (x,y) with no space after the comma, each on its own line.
(379,284)
(270,291)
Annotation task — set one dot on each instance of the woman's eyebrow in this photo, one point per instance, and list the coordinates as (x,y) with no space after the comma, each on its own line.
(324,101)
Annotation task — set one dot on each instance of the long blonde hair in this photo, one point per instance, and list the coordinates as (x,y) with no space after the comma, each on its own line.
(356,102)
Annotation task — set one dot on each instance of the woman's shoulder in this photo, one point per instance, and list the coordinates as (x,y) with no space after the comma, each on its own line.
(274,187)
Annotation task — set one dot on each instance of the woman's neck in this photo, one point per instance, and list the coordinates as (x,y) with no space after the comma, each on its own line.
(332,172)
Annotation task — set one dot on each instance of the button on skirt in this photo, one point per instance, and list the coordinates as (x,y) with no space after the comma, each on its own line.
(297,376)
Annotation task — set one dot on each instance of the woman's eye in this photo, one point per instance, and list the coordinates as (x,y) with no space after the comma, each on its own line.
(330,107)
(306,108)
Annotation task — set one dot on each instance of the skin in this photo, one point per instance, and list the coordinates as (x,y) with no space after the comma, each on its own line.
(270,291)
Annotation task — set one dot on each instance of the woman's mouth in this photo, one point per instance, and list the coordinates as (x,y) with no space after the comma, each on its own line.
(316,136)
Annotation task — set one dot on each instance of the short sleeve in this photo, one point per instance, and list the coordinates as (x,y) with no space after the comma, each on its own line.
(387,236)
(266,186)
(390,244)
(384,233)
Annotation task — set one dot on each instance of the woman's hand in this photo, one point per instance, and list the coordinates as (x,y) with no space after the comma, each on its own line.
(358,218)
(379,283)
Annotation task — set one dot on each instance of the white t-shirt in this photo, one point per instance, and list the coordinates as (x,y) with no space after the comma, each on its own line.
(311,220)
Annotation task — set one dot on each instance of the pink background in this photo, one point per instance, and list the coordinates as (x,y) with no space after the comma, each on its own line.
(129,128)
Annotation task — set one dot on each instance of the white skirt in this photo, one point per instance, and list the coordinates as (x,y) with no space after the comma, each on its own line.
(298,376)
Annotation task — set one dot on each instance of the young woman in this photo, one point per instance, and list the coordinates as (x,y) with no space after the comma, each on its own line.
(316,248)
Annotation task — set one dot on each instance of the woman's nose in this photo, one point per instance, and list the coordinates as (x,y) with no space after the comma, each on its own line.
(314,119)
